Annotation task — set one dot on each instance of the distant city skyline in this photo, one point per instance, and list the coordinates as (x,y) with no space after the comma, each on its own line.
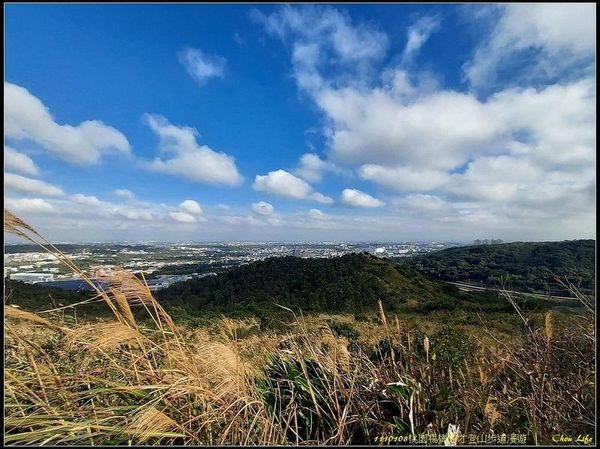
(358,123)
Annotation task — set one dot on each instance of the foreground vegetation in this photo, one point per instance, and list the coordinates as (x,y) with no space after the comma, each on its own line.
(137,377)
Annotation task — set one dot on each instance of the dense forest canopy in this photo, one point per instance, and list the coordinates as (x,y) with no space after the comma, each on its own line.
(530,266)
(351,283)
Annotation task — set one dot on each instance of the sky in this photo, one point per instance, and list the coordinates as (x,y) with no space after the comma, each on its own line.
(389,122)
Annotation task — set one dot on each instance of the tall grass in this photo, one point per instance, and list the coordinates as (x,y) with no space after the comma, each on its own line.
(120,382)
(132,381)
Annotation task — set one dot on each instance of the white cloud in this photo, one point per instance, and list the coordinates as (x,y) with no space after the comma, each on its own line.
(316,214)
(495,178)
(191,161)
(444,130)
(320,198)
(182,217)
(324,34)
(24,184)
(134,214)
(439,130)
(516,159)
(86,200)
(191,207)
(262,208)
(202,67)
(14,160)
(404,178)
(284,184)
(28,205)
(356,198)
(418,34)
(223,207)
(557,37)
(124,193)
(312,167)
(26,117)
(422,202)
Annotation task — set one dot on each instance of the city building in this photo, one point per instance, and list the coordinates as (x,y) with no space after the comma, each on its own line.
(32,278)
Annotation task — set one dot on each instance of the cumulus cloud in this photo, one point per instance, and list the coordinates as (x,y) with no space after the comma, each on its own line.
(190,160)
(422,202)
(316,214)
(495,178)
(320,198)
(134,214)
(35,205)
(509,157)
(262,208)
(85,199)
(202,67)
(312,167)
(27,118)
(356,198)
(19,162)
(284,184)
(404,178)
(554,37)
(191,207)
(24,184)
(441,131)
(182,217)
(124,193)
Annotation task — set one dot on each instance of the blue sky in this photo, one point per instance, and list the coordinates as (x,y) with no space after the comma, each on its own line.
(304,122)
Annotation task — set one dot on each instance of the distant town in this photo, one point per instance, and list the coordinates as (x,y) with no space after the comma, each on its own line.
(163,264)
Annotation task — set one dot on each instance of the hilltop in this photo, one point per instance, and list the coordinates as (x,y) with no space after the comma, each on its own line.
(351,283)
(524,266)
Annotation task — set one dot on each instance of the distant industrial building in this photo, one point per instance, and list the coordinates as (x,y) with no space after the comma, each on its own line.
(32,278)
(487,242)
(166,281)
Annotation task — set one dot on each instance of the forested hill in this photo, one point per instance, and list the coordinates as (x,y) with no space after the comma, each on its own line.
(351,283)
(530,266)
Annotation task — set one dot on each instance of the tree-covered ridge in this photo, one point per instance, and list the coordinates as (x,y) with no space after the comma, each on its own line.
(351,283)
(529,266)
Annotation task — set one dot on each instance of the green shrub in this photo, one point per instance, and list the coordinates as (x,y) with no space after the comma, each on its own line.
(344,330)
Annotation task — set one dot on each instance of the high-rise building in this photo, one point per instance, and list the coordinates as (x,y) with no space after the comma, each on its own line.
(477,242)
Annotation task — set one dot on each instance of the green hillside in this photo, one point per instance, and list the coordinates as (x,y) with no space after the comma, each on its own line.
(351,283)
(523,266)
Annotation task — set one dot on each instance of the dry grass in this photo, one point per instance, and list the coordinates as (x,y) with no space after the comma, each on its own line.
(116,382)
(121,382)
